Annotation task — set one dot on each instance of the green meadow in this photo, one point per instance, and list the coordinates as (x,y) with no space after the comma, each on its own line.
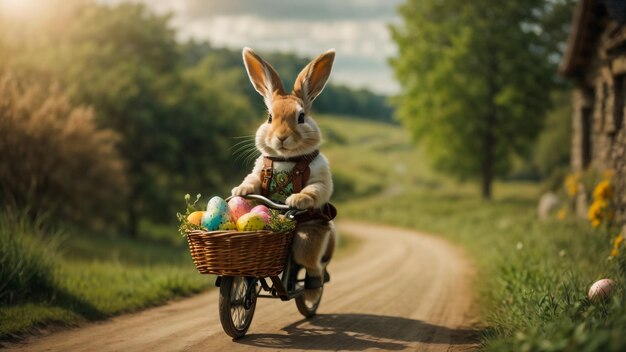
(532,276)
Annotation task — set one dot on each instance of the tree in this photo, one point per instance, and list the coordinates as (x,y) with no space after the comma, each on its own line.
(474,78)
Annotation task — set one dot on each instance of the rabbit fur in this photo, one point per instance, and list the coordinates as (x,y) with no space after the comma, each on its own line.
(290,131)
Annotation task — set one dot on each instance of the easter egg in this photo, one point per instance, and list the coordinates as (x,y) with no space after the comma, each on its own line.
(216,205)
(250,222)
(263,211)
(227,226)
(195,218)
(216,213)
(238,206)
(601,289)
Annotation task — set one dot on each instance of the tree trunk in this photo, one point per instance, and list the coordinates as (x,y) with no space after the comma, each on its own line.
(489,133)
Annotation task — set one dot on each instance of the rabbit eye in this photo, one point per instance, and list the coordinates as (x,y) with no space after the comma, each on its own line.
(301,118)
(269,118)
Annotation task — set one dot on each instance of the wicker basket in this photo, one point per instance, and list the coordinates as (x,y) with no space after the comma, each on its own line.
(234,253)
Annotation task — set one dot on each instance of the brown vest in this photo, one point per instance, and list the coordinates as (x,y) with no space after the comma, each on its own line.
(298,177)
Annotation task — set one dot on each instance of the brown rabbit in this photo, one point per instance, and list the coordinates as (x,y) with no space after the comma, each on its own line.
(289,143)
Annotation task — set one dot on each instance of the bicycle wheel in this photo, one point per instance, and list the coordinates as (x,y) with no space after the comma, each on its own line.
(235,312)
(307,305)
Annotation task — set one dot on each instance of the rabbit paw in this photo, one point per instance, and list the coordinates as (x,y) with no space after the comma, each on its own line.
(300,201)
(242,190)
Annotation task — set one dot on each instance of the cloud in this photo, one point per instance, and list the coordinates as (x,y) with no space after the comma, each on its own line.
(357,29)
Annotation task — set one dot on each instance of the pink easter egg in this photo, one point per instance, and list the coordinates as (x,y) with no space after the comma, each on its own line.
(601,289)
(238,206)
(263,211)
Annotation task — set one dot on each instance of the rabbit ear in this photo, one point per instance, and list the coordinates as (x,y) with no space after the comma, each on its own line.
(312,79)
(262,75)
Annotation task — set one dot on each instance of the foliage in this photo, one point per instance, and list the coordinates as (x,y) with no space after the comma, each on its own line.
(175,122)
(474,77)
(279,222)
(54,158)
(27,260)
(551,153)
(69,279)
(337,99)
(185,226)
(533,276)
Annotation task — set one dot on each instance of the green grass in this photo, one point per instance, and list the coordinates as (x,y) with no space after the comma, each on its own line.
(94,277)
(533,276)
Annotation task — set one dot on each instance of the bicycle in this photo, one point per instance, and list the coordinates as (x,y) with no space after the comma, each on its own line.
(240,288)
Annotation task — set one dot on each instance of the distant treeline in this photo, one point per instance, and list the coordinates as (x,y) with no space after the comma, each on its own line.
(336,99)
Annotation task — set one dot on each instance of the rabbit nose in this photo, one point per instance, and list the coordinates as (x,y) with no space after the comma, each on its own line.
(282,139)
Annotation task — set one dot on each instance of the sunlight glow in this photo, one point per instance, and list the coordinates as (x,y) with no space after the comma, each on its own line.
(19,9)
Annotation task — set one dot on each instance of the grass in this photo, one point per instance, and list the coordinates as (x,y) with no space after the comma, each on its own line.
(67,279)
(533,275)
(92,277)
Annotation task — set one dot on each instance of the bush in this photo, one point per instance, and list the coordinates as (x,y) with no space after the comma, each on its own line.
(27,260)
(54,159)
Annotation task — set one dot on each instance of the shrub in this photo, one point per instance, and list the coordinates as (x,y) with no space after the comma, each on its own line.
(54,158)
(27,260)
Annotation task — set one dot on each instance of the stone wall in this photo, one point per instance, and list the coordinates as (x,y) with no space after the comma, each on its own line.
(599,131)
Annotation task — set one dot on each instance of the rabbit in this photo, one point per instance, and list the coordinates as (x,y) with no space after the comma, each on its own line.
(290,132)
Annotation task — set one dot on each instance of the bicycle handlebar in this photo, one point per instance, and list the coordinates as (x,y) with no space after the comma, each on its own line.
(291,212)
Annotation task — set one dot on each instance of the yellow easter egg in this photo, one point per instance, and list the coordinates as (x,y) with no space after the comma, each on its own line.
(250,222)
(227,226)
(195,217)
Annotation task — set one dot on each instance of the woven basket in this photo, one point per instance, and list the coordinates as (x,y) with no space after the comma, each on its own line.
(234,253)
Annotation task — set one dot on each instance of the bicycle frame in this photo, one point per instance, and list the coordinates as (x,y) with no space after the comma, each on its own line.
(283,286)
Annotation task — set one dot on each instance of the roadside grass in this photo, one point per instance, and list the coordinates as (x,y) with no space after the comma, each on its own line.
(533,275)
(94,277)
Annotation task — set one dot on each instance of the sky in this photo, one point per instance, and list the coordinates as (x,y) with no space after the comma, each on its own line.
(356,29)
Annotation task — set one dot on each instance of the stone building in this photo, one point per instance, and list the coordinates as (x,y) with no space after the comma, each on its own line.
(595,61)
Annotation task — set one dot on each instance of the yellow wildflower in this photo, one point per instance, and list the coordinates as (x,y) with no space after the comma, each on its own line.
(614,252)
(596,212)
(561,214)
(571,184)
(616,243)
(603,190)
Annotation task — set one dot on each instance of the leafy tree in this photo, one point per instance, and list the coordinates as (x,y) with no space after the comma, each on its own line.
(176,122)
(55,160)
(474,78)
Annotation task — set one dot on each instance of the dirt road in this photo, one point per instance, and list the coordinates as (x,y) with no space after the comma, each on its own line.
(400,290)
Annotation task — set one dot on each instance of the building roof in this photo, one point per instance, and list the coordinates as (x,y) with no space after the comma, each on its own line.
(586,27)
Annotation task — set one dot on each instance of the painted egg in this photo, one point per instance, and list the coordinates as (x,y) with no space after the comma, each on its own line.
(238,206)
(601,289)
(227,226)
(250,222)
(195,218)
(217,205)
(216,213)
(263,211)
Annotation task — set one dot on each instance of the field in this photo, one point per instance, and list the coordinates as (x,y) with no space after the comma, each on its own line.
(532,276)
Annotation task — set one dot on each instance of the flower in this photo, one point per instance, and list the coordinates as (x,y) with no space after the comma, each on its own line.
(616,243)
(561,214)
(571,184)
(603,190)
(596,212)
